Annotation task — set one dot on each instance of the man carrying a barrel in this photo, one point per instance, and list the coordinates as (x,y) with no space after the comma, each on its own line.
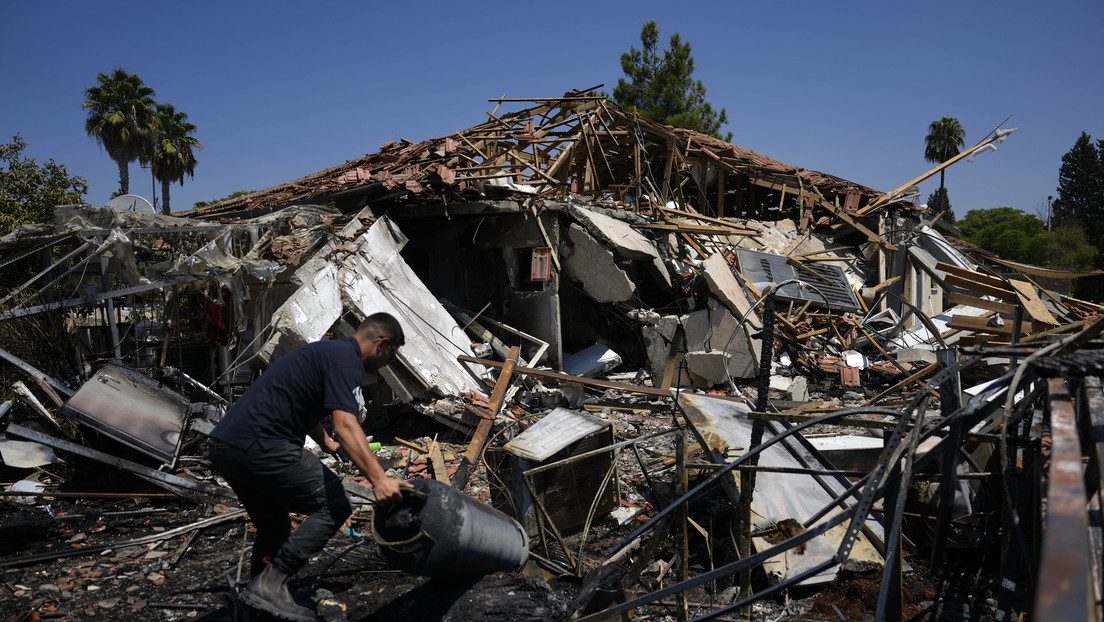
(258,449)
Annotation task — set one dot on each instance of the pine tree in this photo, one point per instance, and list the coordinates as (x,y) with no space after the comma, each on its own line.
(662,88)
(938,201)
(1081,187)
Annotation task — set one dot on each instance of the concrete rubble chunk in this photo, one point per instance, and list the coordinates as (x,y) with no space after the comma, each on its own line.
(617,234)
(799,389)
(710,367)
(591,264)
(724,285)
(623,240)
(713,349)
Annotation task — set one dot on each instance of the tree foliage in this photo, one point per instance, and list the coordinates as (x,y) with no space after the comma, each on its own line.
(30,191)
(173,150)
(662,88)
(1081,187)
(1017,236)
(938,201)
(120,118)
(944,140)
(1092,287)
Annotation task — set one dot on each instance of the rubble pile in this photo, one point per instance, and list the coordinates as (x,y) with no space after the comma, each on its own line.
(706,384)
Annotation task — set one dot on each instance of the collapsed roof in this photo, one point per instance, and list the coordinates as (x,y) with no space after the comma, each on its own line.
(579,144)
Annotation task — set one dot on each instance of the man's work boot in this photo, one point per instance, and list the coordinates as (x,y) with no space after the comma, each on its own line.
(268,592)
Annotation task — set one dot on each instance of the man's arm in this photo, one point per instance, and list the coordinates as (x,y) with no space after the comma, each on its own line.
(354,443)
(330,446)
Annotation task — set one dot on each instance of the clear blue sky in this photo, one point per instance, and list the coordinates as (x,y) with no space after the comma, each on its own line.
(279,90)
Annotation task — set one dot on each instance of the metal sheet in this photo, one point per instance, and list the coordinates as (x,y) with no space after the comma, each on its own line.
(553,432)
(828,280)
(376,278)
(131,408)
(26,455)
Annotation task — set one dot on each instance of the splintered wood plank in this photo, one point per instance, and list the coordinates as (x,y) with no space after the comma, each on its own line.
(695,229)
(565,157)
(483,430)
(437,459)
(973,275)
(694,244)
(977,325)
(1032,304)
(855,224)
(704,218)
(589,124)
(533,166)
(883,198)
(667,170)
(955,280)
(669,370)
(956,298)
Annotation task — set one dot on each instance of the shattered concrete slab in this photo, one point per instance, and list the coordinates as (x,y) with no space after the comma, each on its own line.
(591,264)
(713,329)
(724,285)
(625,241)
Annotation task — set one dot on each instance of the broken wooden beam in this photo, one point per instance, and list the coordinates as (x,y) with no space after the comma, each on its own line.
(483,430)
(552,375)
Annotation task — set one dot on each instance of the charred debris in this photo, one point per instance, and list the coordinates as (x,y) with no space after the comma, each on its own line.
(710,385)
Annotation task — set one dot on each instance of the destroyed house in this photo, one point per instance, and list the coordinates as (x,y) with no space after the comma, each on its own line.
(561,218)
(627,322)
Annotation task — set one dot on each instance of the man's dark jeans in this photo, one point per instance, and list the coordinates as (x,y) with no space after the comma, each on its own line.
(270,483)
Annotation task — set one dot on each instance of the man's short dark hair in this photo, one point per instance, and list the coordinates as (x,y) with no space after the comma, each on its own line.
(383,325)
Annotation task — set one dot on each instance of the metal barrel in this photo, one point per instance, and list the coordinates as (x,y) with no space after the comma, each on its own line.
(438,531)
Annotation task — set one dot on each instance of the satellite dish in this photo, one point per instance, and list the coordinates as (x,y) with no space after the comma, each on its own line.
(130,203)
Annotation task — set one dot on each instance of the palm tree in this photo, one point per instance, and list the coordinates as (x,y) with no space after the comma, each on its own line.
(120,115)
(945,137)
(172,157)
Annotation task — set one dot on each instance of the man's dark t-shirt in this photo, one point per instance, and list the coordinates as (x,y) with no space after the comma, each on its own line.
(295,394)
